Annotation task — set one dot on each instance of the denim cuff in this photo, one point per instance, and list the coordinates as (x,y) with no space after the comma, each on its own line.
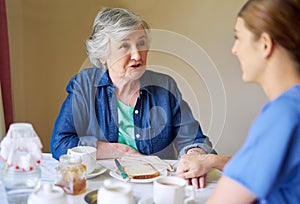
(88,141)
(206,148)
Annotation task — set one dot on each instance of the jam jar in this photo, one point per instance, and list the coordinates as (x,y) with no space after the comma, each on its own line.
(71,174)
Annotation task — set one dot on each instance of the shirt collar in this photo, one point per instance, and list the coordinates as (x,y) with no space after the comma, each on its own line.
(104,80)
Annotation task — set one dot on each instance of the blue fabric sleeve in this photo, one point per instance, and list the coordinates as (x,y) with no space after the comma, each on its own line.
(64,135)
(190,134)
(263,158)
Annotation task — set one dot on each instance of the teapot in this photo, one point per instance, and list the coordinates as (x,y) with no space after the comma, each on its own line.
(115,192)
(48,194)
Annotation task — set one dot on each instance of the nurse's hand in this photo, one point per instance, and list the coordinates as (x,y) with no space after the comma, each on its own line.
(193,168)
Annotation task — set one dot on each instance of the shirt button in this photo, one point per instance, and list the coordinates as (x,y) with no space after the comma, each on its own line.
(136,111)
(138,136)
(141,92)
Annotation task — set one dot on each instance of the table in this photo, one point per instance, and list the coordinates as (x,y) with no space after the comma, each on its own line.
(140,190)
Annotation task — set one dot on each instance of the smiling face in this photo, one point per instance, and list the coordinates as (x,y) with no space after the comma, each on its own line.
(247,49)
(127,58)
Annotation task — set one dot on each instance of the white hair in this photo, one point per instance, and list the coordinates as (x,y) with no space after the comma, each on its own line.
(114,23)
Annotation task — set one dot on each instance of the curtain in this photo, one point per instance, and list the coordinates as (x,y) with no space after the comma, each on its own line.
(5,78)
(2,123)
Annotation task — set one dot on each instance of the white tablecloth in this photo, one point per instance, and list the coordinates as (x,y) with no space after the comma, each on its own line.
(140,190)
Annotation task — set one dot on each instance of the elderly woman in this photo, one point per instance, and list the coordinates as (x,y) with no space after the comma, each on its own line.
(118,106)
(267,168)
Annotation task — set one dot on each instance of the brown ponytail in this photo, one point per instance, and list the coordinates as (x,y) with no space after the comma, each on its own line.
(279,18)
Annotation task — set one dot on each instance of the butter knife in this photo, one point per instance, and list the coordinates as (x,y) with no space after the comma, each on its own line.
(121,169)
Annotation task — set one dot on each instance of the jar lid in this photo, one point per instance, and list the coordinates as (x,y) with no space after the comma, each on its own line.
(66,158)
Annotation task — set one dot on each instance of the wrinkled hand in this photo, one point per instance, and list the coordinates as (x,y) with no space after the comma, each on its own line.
(123,150)
(194,168)
(198,182)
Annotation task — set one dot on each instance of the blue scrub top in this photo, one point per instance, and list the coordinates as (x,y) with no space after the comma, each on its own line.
(268,164)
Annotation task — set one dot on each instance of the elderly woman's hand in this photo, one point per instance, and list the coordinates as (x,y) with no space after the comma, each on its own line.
(106,150)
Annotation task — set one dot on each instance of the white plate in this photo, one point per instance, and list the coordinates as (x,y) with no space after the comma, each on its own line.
(160,165)
(98,170)
(115,174)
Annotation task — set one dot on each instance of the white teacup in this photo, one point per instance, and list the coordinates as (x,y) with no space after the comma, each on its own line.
(169,189)
(88,156)
(115,192)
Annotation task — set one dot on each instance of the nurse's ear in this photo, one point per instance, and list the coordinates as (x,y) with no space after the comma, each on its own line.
(267,45)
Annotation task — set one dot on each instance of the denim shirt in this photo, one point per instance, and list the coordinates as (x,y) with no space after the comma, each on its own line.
(163,122)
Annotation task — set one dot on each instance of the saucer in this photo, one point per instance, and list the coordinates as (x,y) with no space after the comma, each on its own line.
(91,197)
(98,170)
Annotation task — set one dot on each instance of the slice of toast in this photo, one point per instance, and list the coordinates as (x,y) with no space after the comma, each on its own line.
(141,171)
